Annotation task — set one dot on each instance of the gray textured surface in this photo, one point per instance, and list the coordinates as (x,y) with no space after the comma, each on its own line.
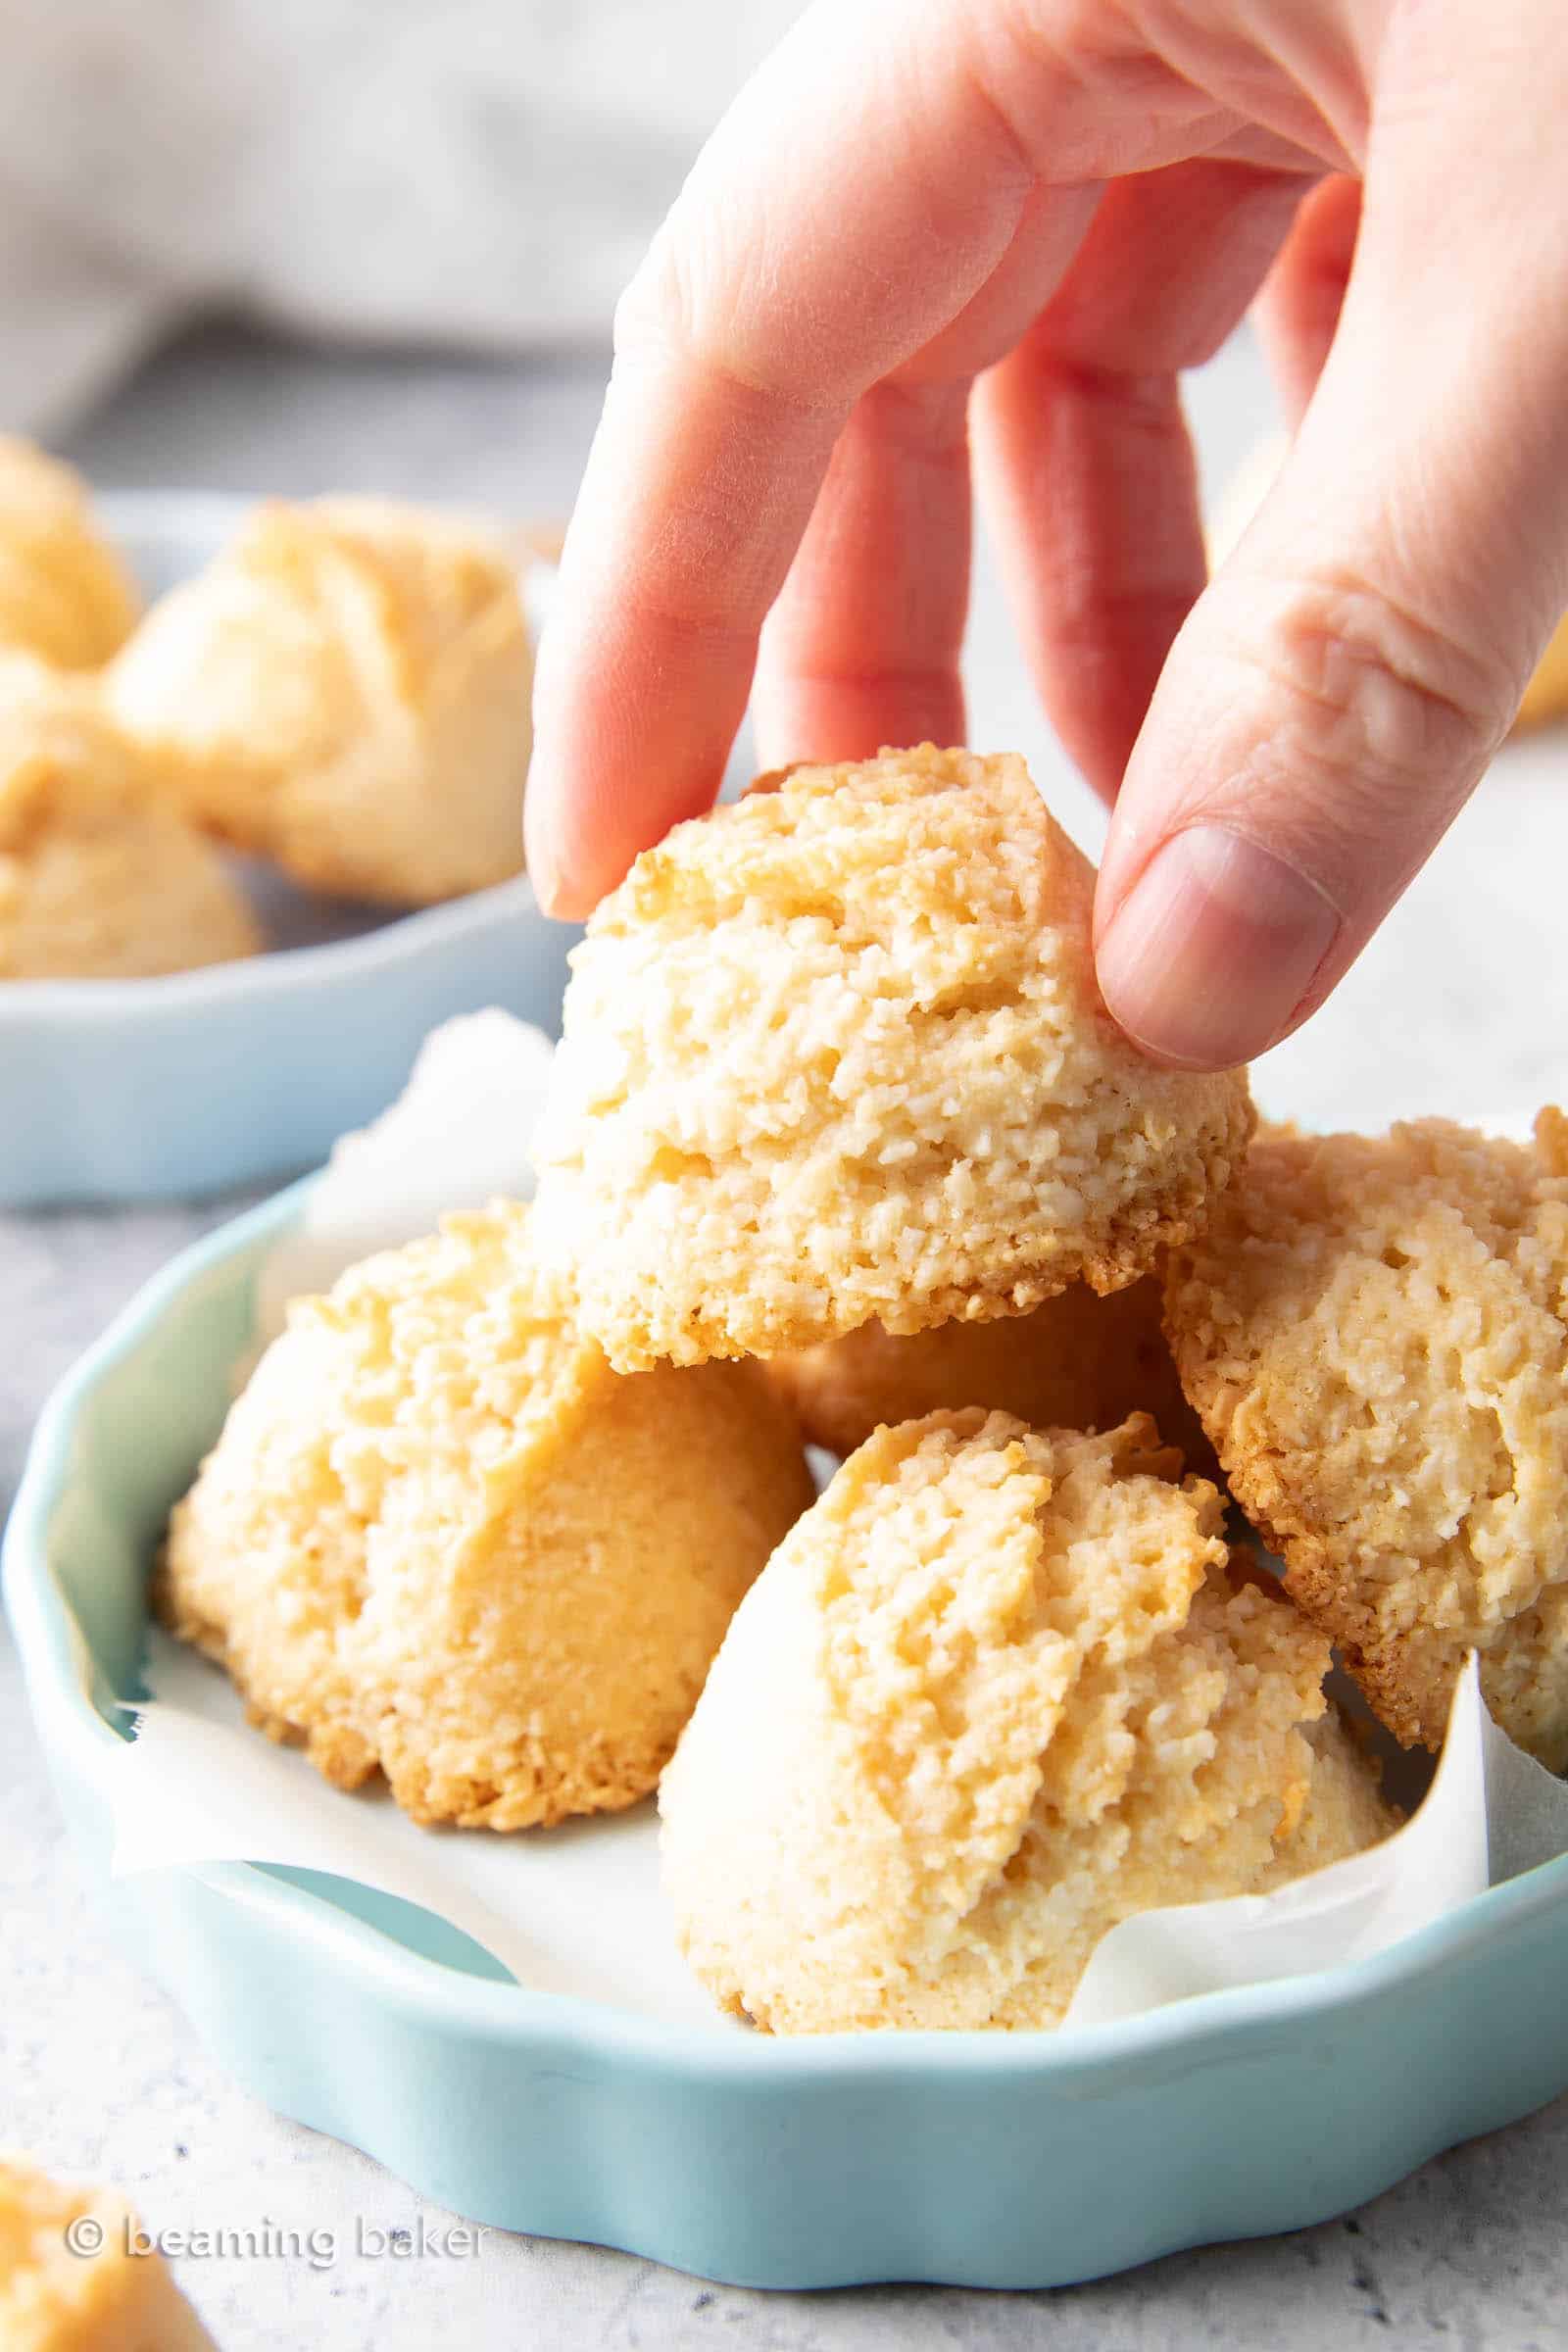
(1457,1008)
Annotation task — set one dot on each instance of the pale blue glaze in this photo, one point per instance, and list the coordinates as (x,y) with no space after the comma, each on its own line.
(989,2159)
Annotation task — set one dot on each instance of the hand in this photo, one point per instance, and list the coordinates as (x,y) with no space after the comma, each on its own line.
(936,232)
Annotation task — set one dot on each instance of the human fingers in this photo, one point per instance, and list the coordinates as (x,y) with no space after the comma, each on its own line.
(1084,461)
(862,647)
(1298,307)
(1335,695)
(795,274)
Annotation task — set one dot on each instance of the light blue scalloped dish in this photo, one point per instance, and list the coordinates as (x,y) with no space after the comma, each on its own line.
(181,1084)
(988,2160)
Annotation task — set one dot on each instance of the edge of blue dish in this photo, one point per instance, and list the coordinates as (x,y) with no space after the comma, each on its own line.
(279,971)
(182,1086)
(808,2163)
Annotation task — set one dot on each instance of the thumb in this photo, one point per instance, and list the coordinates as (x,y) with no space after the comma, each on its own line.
(1337,692)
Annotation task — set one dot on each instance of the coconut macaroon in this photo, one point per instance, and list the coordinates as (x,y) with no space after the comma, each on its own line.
(64,593)
(1373,1333)
(1079,1361)
(346,689)
(1345,1810)
(69,2280)
(1546,695)
(440,1537)
(993,1695)
(837,1053)
(99,879)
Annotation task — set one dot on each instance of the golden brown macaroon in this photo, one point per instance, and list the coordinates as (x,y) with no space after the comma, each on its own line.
(993,1693)
(1545,697)
(346,689)
(439,1535)
(1079,1361)
(68,2280)
(1345,1810)
(64,593)
(837,1053)
(1372,1332)
(99,879)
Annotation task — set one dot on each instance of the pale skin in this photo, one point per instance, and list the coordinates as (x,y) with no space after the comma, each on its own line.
(945,246)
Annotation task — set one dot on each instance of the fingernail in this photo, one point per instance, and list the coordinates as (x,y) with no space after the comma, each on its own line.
(541,874)
(552,884)
(1215,949)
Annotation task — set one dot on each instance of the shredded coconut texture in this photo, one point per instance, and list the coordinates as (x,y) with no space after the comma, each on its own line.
(993,1693)
(838,1052)
(439,1535)
(346,689)
(99,877)
(1373,1332)
(54,2300)
(65,595)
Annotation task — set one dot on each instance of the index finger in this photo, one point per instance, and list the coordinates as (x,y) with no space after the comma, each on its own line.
(854,203)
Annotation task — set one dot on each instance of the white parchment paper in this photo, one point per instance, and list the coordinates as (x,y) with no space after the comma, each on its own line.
(456,1137)
(577,1909)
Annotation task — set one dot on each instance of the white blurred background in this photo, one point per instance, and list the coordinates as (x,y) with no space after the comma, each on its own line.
(476,172)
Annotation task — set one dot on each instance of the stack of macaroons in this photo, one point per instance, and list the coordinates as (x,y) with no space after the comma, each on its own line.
(457,1530)
(838,1092)
(837,1088)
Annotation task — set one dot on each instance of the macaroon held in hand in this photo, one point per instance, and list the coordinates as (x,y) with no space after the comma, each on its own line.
(980,240)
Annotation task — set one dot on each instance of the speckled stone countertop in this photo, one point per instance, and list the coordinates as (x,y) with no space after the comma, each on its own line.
(1459,1006)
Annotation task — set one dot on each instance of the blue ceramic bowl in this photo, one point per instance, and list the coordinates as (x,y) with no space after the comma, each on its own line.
(987,2160)
(144,1089)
